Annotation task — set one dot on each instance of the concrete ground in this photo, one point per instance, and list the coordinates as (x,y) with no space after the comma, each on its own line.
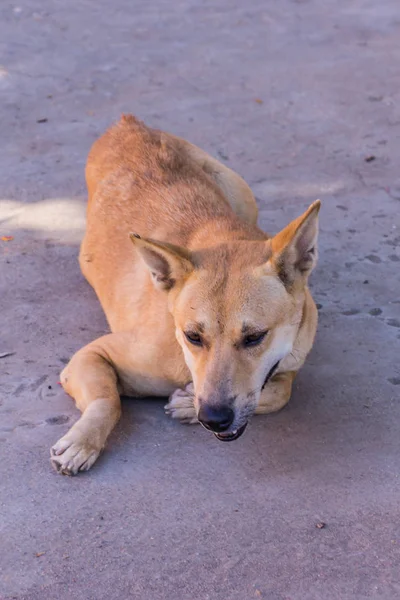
(302,97)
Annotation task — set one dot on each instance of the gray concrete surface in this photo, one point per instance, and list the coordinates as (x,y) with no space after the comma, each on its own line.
(295,95)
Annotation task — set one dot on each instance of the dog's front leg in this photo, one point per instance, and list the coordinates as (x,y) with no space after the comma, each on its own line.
(118,363)
(92,381)
(181,405)
(276,393)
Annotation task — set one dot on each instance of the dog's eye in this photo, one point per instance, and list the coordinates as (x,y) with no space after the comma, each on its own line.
(193,338)
(254,339)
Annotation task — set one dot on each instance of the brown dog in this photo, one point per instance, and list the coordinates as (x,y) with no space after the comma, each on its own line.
(204,307)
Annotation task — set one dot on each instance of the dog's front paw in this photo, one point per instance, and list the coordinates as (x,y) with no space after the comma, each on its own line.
(181,405)
(69,455)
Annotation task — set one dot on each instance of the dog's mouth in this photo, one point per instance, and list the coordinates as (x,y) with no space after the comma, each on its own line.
(233,435)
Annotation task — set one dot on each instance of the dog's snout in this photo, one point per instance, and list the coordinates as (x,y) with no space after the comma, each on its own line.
(216,418)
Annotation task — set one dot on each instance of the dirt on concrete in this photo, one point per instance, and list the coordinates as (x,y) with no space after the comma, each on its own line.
(302,98)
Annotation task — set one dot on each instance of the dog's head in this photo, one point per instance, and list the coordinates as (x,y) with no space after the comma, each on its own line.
(237,309)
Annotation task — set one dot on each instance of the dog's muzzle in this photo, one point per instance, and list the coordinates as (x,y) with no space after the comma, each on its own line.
(230,437)
(219,420)
(236,433)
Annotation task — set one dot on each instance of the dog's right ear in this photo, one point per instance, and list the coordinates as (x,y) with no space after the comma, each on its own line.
(167,263)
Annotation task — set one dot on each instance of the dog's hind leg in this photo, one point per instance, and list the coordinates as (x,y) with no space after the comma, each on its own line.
(276,393)
(234,188)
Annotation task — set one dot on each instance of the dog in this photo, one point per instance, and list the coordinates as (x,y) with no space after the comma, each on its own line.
(204,307)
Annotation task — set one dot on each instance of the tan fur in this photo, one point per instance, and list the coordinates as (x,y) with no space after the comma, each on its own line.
(199,265)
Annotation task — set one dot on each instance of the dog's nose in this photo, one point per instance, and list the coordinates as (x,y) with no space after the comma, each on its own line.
(217,419)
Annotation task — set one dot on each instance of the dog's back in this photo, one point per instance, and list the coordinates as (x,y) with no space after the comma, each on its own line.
(130,144)
(153,161)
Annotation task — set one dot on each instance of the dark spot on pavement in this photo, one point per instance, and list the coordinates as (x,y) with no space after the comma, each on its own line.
(393,243)
(64,360)
(394,257)
(319,306)
(374,258)
(393,322)
(352,311)
(374,312)
(394,191)
(370,158)
(34,386)
(366,281)
(222,154)
(341,207)
(394,380)
(58,420)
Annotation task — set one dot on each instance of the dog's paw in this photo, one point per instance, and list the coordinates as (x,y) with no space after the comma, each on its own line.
(180,405)
(69,456)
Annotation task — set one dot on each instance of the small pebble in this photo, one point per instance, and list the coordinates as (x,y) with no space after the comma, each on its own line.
(320,525)
(350,312)
(374,259)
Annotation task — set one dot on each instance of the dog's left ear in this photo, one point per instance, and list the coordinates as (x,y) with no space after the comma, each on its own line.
(168,264)
(294,249)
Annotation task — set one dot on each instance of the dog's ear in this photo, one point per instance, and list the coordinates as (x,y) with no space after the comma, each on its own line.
(294,249)
(168,264)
